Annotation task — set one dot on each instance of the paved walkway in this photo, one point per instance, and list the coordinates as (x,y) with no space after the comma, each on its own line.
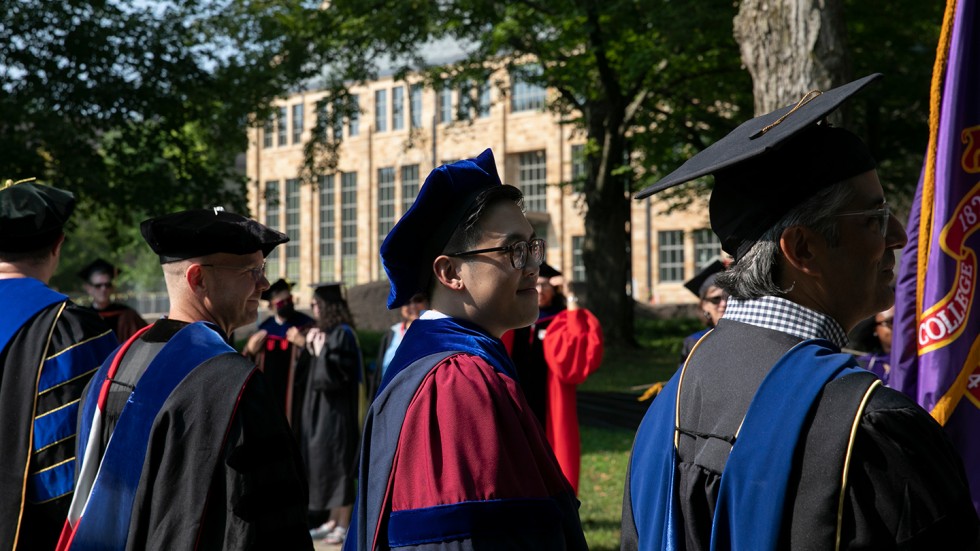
(320,546)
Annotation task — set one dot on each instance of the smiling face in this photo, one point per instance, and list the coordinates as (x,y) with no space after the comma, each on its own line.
(498,296)
(859,272)
(233,292)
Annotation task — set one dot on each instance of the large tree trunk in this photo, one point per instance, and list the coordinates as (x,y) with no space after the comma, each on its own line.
(791,47)
(605,250)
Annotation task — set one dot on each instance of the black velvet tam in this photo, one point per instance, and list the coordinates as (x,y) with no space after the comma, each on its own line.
(200,232)
(32,215)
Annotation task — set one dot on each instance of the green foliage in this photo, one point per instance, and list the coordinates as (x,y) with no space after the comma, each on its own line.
(895,116)
(140,108)
(644,83)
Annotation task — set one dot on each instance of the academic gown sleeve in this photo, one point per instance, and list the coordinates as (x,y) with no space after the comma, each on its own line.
(907,487)
(473,469)
(573,350)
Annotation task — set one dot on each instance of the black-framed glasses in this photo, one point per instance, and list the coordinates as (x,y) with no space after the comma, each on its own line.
(716,300)
(256,273)
(883,215)
(520,252)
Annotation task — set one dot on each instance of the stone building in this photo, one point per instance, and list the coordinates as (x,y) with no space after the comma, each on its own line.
(403,131)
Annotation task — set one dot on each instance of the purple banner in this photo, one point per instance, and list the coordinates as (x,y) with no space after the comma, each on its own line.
(936,348)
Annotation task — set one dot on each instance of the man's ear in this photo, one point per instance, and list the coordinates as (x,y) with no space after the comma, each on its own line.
(58,243)
(800,247)
(446,273)
(194,275)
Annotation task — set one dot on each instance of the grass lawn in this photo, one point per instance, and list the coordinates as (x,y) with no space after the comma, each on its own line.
(605,452)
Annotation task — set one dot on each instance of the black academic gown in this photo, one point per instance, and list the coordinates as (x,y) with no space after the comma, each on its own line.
(331,431)
(906,489)
(62,335)
(527,351)
(222,470)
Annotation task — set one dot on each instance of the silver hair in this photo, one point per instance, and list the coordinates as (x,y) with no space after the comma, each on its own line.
(757,273)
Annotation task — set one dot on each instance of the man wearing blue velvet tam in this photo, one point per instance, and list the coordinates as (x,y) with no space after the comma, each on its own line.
(452,455)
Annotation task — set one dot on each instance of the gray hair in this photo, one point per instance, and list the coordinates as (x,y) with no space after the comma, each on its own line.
(756,274)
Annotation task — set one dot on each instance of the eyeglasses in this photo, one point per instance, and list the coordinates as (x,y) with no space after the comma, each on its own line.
(520,252)
(106,285)
(883,215)
(884,323)
(716,300)
(256,273)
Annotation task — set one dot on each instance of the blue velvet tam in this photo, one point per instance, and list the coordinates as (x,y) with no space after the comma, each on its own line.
(423,232)
(772,163)
(200,232)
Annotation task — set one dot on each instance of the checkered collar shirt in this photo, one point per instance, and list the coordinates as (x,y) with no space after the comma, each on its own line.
(786,316)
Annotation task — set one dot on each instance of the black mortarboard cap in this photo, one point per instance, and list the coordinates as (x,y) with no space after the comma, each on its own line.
(98,266)
(417,239)
(772,163)
(32,215)
(705,278)
(279,286)
(547,270)
(200,232)
(329,292)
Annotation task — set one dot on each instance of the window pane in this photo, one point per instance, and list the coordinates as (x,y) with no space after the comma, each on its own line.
(398,108)
(578,163)
(464,103)
(671,254)
(283,125)
(292,229)
(526,95)
(578,266)
(381,110)
(531,178)
(483,105)
(445,105)
(348,227)
(410,186)
(297,122)
(327,229)
(272,220)
(386,206)
(416,105)
(267,132)
(355,118)
(706,247)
